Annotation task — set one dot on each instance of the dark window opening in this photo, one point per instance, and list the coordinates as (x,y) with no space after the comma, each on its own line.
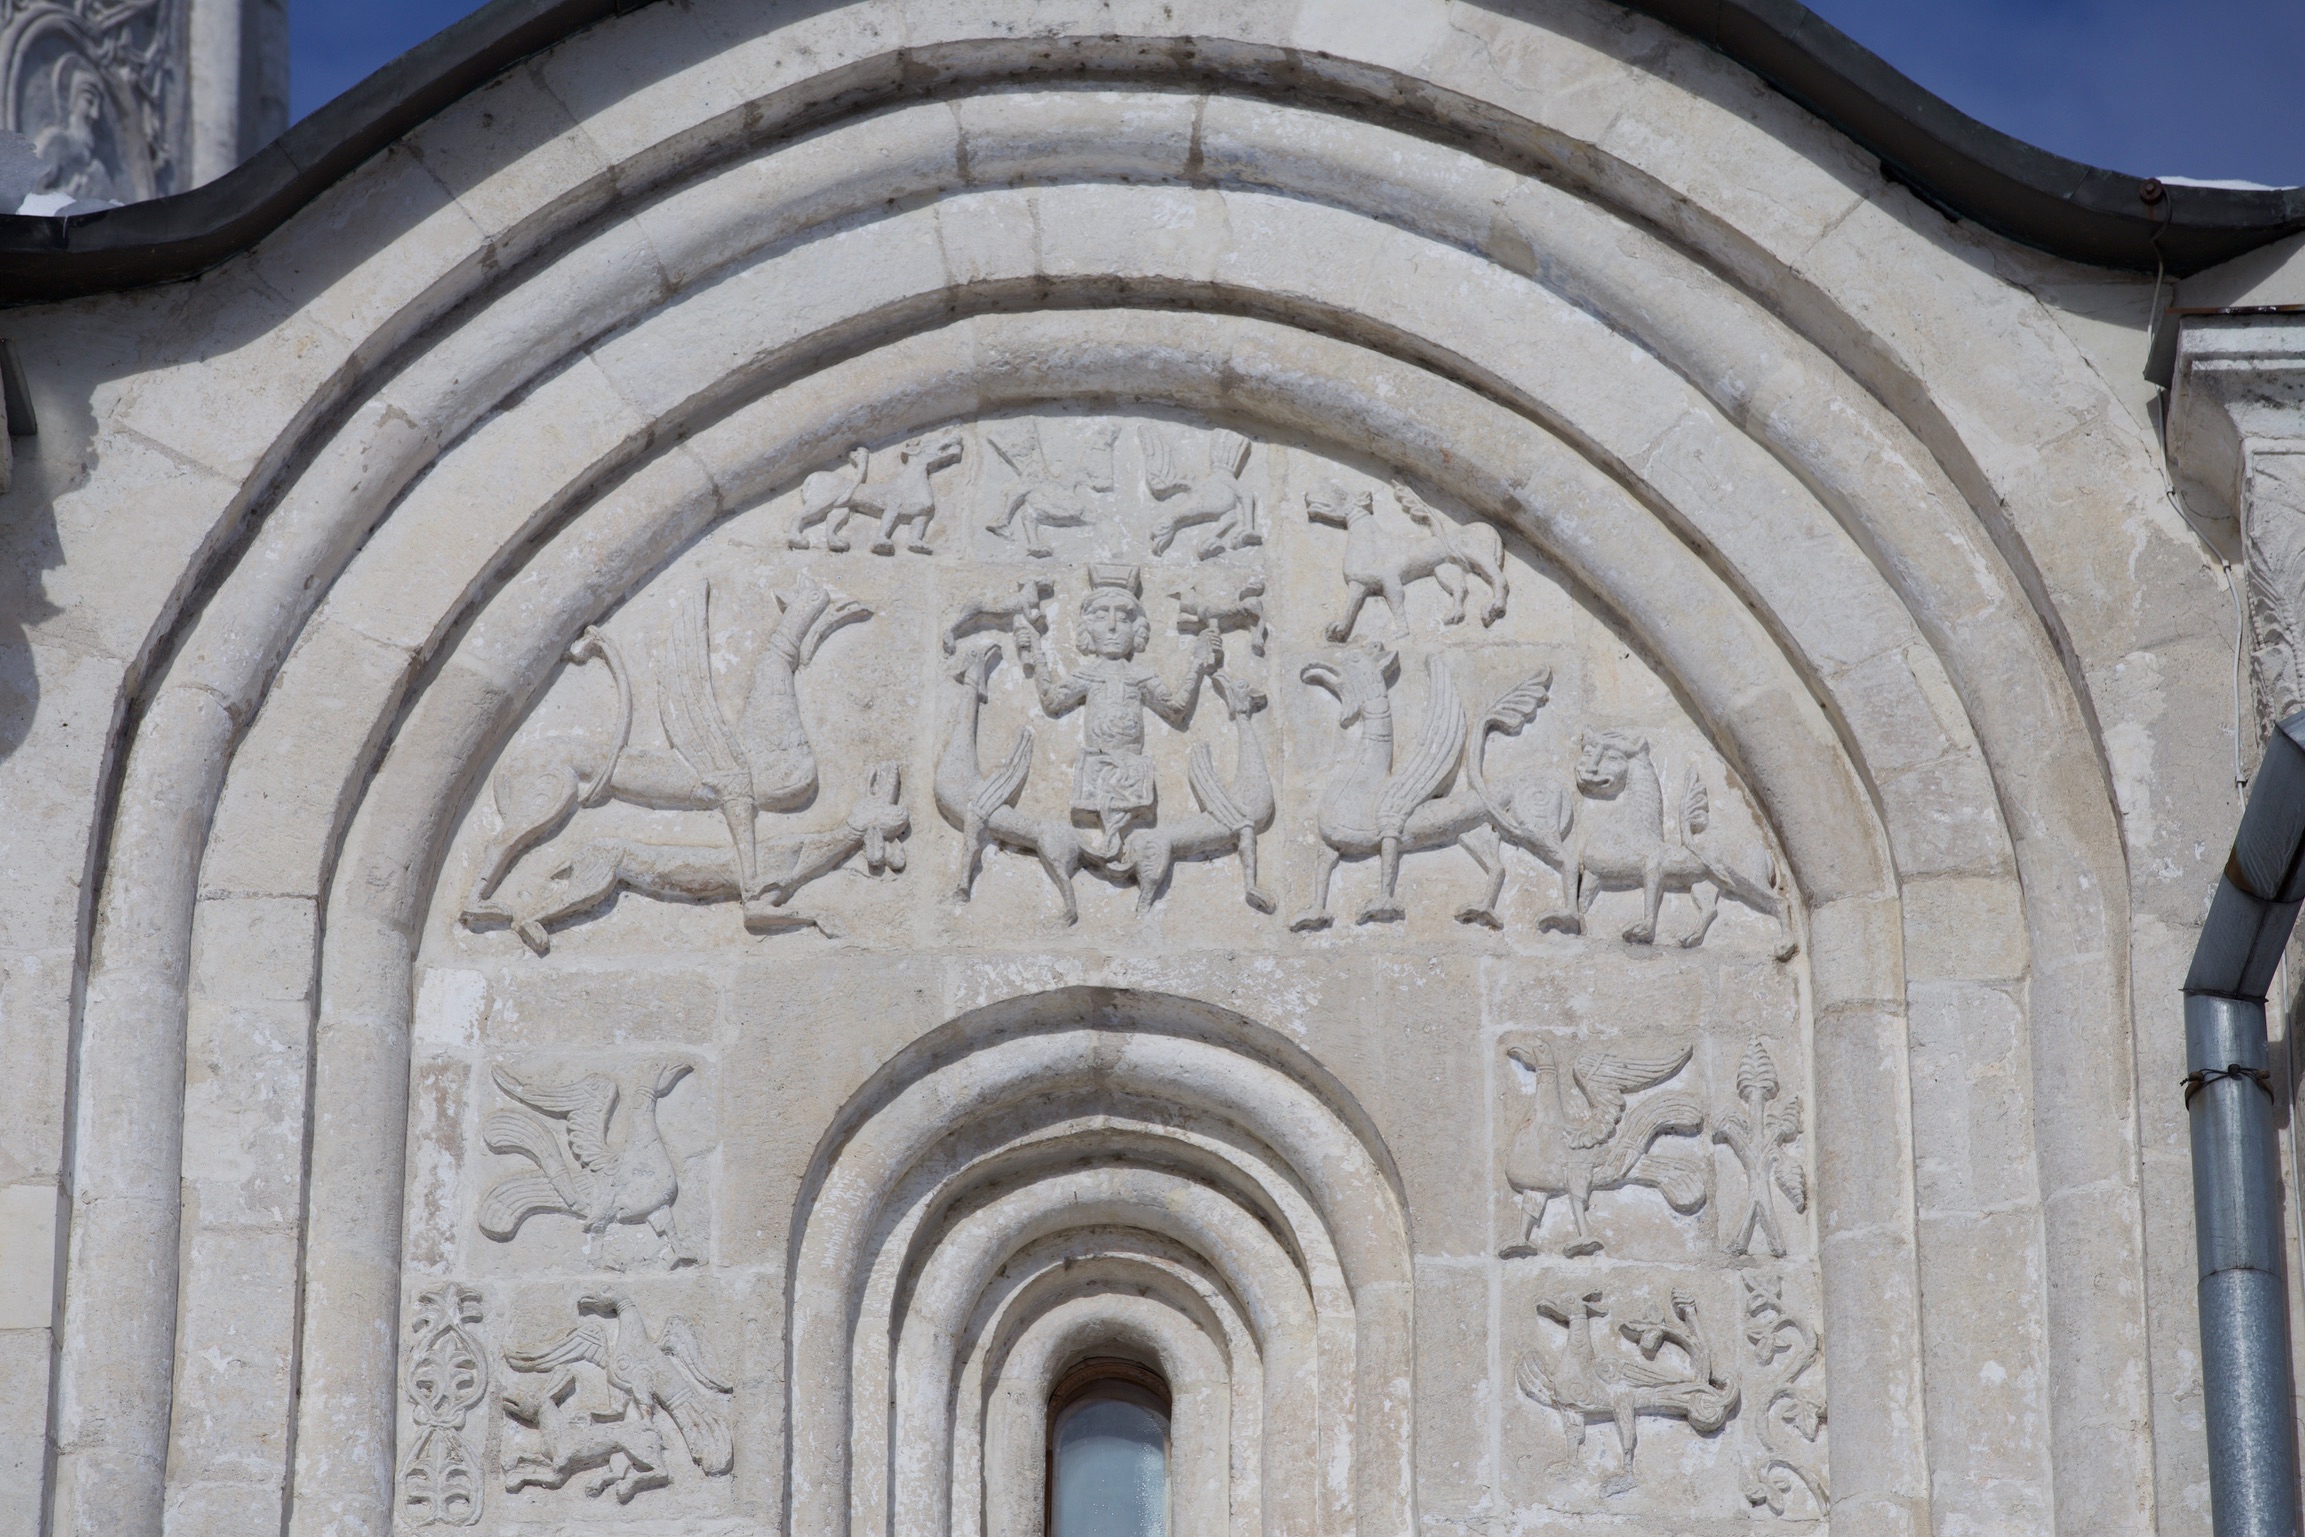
(1108,1451)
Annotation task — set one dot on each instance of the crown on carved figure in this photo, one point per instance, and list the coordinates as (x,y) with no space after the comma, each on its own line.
(1126,578)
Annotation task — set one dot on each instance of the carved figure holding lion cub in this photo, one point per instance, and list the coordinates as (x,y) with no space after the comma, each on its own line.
(1612,835)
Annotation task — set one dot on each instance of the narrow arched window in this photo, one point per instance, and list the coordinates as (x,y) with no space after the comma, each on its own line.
(1108,1440)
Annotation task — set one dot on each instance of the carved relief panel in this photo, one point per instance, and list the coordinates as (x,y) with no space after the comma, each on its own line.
(1086,696)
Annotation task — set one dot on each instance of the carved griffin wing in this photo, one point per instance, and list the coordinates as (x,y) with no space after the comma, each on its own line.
(1214,794)
(1440,743)
(587,1104)
(585,1342)
(1228,453)
(1018,444)
(1160,471)
(1605,1080)
(679,1342)
(690,712)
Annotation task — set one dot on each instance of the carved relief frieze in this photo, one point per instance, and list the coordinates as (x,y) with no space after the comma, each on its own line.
(1615,1368)
(1044,489)
(1593,1124)
(1207,488)
(612,1399)
(593,1152)
(1786,1416)
(897,497)
(445,1378)
(1380,562)
(97,87)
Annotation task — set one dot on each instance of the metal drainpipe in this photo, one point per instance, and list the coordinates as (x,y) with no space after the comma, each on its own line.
(2236,1181)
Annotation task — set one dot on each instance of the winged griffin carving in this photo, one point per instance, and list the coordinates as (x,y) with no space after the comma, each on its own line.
(577,1170)
(648,1376)
(1571,1145)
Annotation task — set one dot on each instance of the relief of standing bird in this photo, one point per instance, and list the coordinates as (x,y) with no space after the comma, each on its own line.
(577,1171)
(1575,1146)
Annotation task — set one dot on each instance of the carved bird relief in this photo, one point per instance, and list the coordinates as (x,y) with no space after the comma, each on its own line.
(1584,1381)
(1599,1140)
(663,1373)
(578,1172)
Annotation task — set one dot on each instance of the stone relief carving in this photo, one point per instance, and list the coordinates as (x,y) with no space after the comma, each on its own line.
(1041,493)
(760,763)
(577,1170)
(1220,598)
(1669,1372)
(1761,1139)
(1000,610)
(94,85)
(1373,808)
(648,1377)
(1380,564)
(1600,1138)
(1114,781)
(906,497)
(2273,547)
(1187,499)
(446,1379)
(1786,1417)
(1611,834)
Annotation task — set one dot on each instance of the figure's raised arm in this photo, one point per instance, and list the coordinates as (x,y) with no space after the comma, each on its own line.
(1177,707)
(1058,693)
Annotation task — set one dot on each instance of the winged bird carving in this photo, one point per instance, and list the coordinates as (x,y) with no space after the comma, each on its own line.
(1599,1138)
(578,1171)
(653,1374)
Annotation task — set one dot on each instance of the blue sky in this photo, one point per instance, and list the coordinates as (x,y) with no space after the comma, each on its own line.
(2200,88)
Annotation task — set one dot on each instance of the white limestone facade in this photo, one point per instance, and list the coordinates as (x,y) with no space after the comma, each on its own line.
(1415,711)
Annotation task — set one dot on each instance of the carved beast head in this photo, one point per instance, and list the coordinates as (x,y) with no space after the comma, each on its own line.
(1607,759)
(1334,505)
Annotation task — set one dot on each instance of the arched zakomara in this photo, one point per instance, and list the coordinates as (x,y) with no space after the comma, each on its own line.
(1493,340)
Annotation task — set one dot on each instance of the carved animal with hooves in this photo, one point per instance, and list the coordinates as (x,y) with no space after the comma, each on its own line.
(1379,564)
(1572,1147)
(664,1374)
(1612,835)
(1374,808)
(571,1439)
(906,498)
(564,1134)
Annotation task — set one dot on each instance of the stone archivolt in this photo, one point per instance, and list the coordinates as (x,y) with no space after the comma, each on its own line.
(577,412)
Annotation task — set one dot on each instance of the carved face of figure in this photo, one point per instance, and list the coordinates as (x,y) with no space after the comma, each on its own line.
(1606,760)
(1112,625)
(87,109)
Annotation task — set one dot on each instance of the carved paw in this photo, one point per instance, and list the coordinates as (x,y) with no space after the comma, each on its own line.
(1260,899)
(1576,1248)
(1382,911)
(1641,933)
(533,935)
(884,547)
(1561,923)
(1338,631)
(918,548)
(799,542)
(1306,923)
(1485,917)
(837,546)
(1691,940)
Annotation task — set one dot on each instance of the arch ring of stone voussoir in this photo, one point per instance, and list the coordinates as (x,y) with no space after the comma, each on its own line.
(1464,443)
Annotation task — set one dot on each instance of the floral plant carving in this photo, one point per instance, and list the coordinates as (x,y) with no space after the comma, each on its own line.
(447,1378)
(1762,1139)
(1789,1417)
(1599,1139)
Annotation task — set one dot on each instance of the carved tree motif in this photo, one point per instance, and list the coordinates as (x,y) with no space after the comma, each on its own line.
(1788,1417)
(446,1379)
(1599,1139)
(1762,1141)
(575,1169)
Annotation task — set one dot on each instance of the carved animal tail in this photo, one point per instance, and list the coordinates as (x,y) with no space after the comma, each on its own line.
(550,1188)
(1512,712)
(707,1435)
(591,644)
(1680,1180)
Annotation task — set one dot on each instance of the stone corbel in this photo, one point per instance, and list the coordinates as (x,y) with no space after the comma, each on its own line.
(2236,442)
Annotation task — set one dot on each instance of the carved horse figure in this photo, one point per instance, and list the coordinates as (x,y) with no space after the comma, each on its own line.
(983,806)
(908,497)
(1621,841)
(572,1439)
(761,762)
(1218,497)
(1372,807)
(1230,817)
(690,872)
(1381,565)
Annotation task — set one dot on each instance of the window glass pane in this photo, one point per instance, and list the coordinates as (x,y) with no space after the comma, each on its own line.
(1111,1469)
